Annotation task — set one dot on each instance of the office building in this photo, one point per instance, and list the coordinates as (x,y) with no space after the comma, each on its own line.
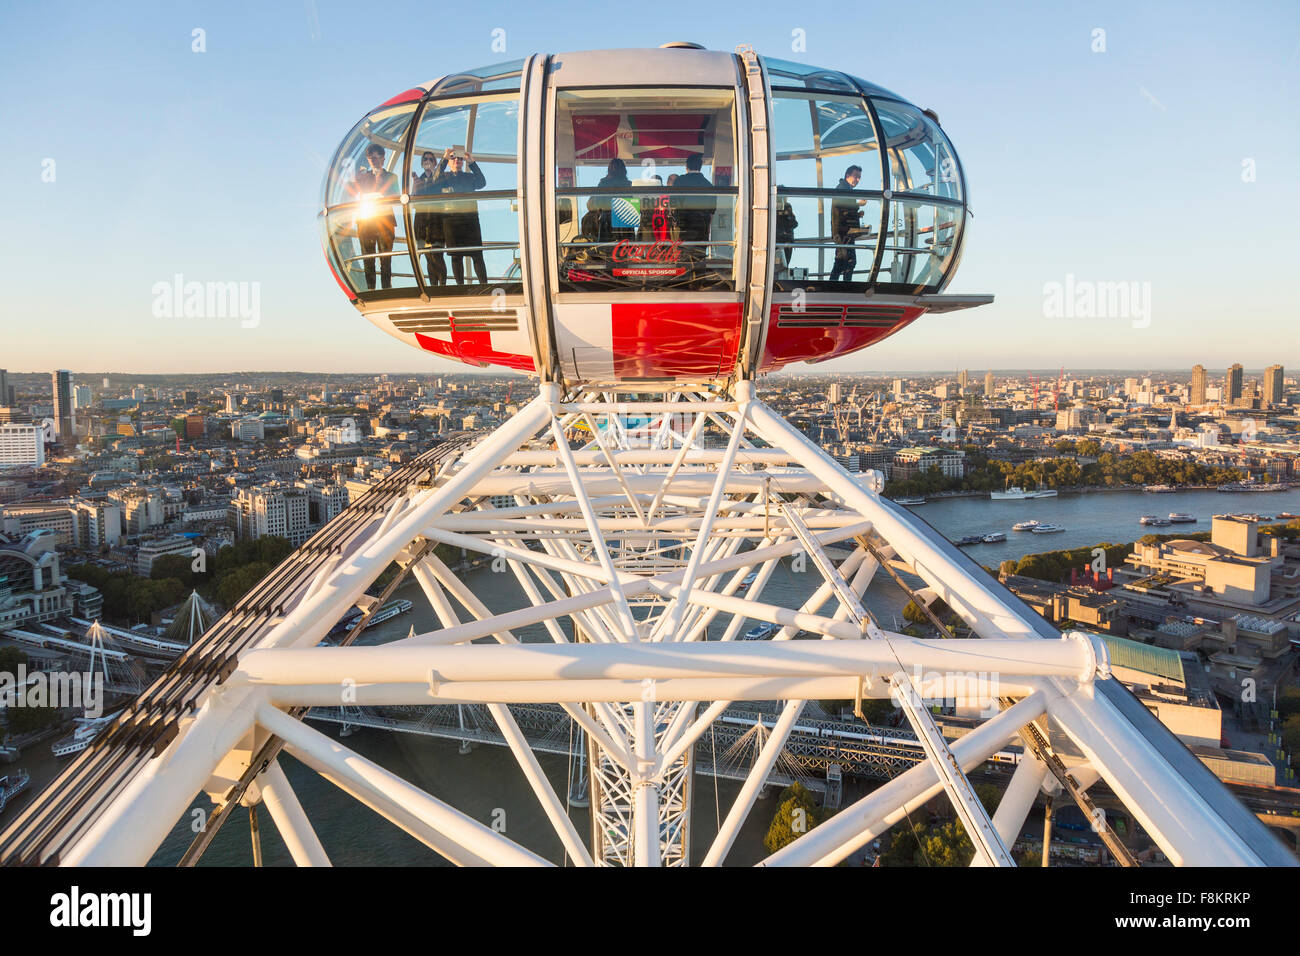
(1233,386)
(1197,394)
(22,444)
(1273,385)
(62,385)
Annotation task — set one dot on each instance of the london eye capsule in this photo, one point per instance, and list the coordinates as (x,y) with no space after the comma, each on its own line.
(639,216)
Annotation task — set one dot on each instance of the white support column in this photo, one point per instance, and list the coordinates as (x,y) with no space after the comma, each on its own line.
(290,818)
(131,828)
(858,824)
(386,792)
(514,737)
(1017,801)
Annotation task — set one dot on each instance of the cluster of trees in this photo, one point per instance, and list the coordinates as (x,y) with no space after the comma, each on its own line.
(23,720)
(797,813)
(223,578)
(1055,565)
(937,844)
(1108,471)
(129,598)
(1288,711)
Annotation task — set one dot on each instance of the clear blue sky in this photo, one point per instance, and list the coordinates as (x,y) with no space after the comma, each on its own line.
(1114,166)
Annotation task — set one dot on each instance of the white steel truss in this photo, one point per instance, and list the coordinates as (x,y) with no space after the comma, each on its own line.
(644,529)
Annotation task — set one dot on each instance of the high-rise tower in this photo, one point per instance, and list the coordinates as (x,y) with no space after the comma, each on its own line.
(62,385)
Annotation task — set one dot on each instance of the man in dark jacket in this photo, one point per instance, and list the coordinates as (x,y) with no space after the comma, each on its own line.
(845,217)
(460,216)
(694,213)
(376,224)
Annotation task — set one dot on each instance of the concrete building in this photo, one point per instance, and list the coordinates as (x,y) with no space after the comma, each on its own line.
(275,508)
(22,444)
(1273,385)
(142,508)
(325,500)
(99,523)
(32,585)
(150,551)
(1231,573)
(1233,386)
(1058,603)
(248,429)
(17,521)
(1196,396)
(910,462)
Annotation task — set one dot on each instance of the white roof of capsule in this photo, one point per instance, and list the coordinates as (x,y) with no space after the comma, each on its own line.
(644,67)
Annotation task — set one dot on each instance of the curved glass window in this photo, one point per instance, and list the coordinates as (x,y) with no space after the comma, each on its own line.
(829,189)
(370,247)
(818,139)
(384,128)
(645,194)
(484,79)
(463,199)
(364,224)
(921,159)
(790,73)
(920,243)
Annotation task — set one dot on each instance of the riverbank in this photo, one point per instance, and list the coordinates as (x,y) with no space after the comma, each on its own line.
(1089,489)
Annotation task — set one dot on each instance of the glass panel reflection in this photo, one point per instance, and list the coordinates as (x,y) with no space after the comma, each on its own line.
(384,129)
(637,238)
(369,243)
(644,189)
(818,139)
(921,159)
(467,246)
(825,236)
(920,243)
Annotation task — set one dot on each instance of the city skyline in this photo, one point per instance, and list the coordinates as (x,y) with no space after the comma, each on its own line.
(225,188)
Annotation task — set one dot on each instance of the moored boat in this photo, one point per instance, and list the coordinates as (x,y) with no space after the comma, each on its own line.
(760,632)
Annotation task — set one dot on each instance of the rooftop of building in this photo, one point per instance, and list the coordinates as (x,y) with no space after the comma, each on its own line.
(1146,658)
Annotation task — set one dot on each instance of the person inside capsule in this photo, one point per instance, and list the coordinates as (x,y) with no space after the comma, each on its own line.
(846,220)
(615,178)
(461,228)
(376,224)
(428,225)
(694,213)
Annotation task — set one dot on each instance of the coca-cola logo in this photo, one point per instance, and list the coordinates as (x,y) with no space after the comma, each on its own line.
(625,251)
